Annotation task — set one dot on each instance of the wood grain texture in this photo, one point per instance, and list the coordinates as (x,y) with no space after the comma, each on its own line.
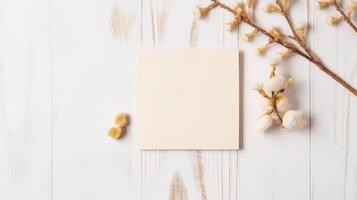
(25,99)
(67,67)
(333,160)
(93,70)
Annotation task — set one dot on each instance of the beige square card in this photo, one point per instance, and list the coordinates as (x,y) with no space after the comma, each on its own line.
(188,99)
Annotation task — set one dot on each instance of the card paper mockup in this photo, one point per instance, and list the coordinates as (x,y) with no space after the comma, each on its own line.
(188,99)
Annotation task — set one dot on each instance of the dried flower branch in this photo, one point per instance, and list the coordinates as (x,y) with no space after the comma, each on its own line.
(344,16)
(274,36)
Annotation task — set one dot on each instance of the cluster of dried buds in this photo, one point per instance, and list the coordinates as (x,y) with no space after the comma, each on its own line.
(343,15)
(121,121)
(274,103)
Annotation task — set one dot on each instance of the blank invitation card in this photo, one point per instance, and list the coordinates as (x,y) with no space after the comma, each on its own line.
(188,99)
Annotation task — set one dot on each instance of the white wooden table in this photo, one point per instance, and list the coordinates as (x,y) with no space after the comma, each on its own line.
(67,67)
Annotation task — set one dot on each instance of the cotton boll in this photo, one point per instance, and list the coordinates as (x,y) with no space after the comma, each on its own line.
(267,91)
(280,71)
(293,119)
(276,83)
(275,117)
(282,104)
(264,123)
(276,60)
(257,86)
(265,105)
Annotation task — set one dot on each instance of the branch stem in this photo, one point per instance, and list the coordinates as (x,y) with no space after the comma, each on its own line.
(308,54)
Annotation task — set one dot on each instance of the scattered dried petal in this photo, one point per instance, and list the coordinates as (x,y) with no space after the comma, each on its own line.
(121,120)
(115,132)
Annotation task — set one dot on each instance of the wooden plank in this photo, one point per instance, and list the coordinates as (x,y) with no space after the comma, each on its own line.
(333,164)
(25,99)
(274,165)
(202,174)
(94,52)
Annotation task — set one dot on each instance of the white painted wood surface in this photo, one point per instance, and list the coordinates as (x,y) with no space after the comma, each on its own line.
(66,68)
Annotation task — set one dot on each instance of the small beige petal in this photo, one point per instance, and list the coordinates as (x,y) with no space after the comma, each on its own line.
(121,120)
(115,132)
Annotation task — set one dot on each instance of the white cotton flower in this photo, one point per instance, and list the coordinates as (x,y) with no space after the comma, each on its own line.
(257,86)
(267,91)
(275,117)
(293,119)
(264,122)
(276,83)
(265,105)
(280,71)
(282,104)
(276,59)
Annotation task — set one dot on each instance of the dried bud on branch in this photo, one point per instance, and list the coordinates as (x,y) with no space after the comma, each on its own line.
(233,23)
(250,3)
(301,30)
(324,4)
(343,16)
(250,35)
(272,8)
(335,20)
(201,12)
